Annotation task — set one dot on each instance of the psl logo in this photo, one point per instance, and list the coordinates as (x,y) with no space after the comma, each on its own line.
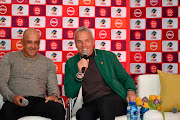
(103,46)
(169,46)
(118,34)
(170,2)
(119,56)
(2,21)
(70,22)
(137,68)
(70,2)
(103,2)
(137,23)
(102,22)
(169,69)
(19,33)
(36,21)
(86,11)
(137,3)
(2,45)
(19,9)
(53,34)
(137,45)
(169,22)
(153,35)
(54,11)
(53,57)
(153,57)
(118,12)
(153,13)
(70,45)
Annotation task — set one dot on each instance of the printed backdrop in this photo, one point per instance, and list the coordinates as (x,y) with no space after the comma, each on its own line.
(144,34)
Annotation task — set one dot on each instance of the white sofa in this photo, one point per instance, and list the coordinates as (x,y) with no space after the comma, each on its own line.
(147,85)
(26,117)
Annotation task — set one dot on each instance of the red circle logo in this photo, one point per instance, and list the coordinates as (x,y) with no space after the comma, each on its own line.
(118,45)
(20,21)
(37,10)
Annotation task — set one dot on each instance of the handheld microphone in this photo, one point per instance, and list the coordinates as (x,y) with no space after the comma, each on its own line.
(85,53)
(174,110)
(25,102)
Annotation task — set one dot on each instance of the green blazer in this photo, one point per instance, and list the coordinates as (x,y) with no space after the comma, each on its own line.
(110,68)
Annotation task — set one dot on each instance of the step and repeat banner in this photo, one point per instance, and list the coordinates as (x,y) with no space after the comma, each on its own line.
(57,20)
(154,36)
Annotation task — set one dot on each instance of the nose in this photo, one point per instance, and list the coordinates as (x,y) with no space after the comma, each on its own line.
(83,44)
(33,45)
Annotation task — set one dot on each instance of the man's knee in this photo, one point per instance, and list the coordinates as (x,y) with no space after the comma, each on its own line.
(85,114)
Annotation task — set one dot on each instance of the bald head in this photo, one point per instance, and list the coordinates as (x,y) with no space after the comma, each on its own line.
(30,31)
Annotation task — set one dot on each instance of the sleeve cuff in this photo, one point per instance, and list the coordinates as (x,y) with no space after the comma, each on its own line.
(131,90)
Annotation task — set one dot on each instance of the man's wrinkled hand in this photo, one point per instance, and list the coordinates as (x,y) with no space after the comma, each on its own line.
(17,99)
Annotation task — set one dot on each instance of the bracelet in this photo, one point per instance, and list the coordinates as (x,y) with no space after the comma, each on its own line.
(81,74)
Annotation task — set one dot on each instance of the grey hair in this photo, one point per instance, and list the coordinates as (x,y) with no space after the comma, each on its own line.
(83,28)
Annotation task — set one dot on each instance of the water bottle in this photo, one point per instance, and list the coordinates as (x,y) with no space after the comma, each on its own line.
(133,111)
(128,110)
(139,113)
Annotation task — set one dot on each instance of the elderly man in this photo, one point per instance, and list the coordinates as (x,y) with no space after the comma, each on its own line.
(106,86)
(28,75)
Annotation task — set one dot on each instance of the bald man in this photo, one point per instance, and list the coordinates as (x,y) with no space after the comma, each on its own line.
(28,75)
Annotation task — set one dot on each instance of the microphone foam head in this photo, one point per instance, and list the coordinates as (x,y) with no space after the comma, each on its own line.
(25,102)
(85,53)
(174,110)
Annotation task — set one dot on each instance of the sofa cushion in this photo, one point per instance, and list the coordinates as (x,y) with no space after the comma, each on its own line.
(170,90)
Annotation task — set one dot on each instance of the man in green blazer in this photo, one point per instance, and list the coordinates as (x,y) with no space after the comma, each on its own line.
(106,86)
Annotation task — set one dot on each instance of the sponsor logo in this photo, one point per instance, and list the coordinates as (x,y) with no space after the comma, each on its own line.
(153,57)
(137,35)
(70,22)
(153,35)
(118,34)
(102,22)
(169,23)
(153,23)
(153,68)
(170,34)
(2,45)
(118,45)
(119,2)
(137,68)
(3,9)
(53,34)
(54,1)
(86,22)
(137,46)
(19,9)
(169,57)
(53,57)
(153,13)
(103,46)
(20,33)
(137,57)
(1,55)
(2,21)
(69,55)
(2,33)
(70,11)
(170,69)
(153,2)
(169,12)
(54,22)
(70,2)
(103,12)
(86,11)
(20,1)
(169,46)
(87,2)
(70,34)
(37,22)
(19,45)
(169,2)
(54,11)
(137,24)
(37,10)
(39,31)
(118,23)
(70,45)
(20,21)
(54,45)
(102,34)
(153,46)
(137,13)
